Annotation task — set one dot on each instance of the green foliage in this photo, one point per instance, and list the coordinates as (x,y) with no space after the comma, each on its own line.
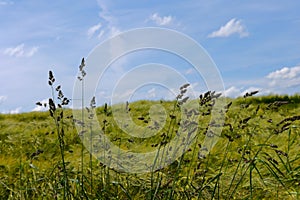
(255,158)
(42,155)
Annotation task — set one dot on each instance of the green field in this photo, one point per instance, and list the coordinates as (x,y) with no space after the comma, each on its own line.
(256,156)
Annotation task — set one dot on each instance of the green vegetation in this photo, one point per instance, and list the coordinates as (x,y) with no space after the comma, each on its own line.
(256,155)
(258,158)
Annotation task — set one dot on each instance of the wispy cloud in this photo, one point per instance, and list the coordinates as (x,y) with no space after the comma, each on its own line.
(234,26)
(92,30)
(234,91)
(161,20)
(13,111)
(2,99)
(20,51)
(105,13)
(4,3)
(151,93)
(282,81)
(190,71)
(111,28)
(285,77)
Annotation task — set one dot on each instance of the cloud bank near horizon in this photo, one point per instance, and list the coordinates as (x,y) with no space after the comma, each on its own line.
(240,39)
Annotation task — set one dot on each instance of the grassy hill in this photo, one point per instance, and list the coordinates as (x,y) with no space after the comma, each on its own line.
(256,155)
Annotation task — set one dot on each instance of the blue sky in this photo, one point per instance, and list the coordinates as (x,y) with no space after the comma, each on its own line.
(255,44)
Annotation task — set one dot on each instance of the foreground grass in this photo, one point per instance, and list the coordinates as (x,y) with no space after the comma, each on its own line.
(256,157)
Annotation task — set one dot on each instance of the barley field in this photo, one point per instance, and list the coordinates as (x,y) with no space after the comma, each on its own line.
(256,155)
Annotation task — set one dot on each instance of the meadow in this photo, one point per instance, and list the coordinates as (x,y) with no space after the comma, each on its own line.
(256,156)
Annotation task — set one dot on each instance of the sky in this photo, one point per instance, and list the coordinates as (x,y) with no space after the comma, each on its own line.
(254,44)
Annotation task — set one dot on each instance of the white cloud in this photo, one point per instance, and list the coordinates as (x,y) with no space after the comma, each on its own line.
(2,99)
(282,81)
(161,21)
(232,92)
(151,93)
(285,77)
(114,31)
(4,3)
(285,73)
(15,111)
(20,51)
(234,26)
(92,30)
(101,33)
(190,71)
(251,89)
(105,13)
(15,51)
(109,26)
(41,108)
(31,52)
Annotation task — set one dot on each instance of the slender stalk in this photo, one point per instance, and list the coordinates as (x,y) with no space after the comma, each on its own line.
(60,136)
(250,177)
(158,178)
(243,174)
(82,131)
(220,171)
(91,158)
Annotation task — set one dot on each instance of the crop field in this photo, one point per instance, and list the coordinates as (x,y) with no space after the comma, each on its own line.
(150,100)
(218,148)
(256,155)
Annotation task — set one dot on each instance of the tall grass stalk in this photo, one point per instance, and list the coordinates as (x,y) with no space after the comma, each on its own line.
(58,120)
(90,117)
(217,184)
(83,125)
(163,146)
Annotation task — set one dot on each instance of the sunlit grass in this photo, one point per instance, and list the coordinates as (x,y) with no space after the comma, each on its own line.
(43,155)
(254,159)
